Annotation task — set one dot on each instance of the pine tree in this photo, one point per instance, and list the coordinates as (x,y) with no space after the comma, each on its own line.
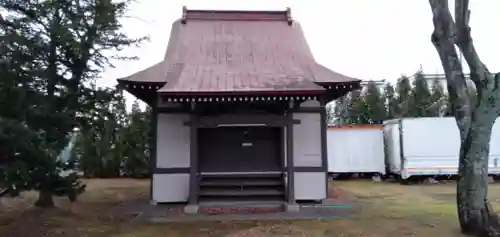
(330,113)
(354,108)
(373,105)
(403,97)
(438,99)
(340,110)
(136,139)
(390,101)
(99,149)
(420,103)
(119,107)
(58,47)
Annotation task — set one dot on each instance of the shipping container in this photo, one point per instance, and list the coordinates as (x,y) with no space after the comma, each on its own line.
(429,146)
(356,149)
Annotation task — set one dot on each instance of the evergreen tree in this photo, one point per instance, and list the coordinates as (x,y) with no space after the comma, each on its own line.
(403,97)
(119,107)
(391,105)
(340,110)
(373,105)
(136,140)
(55,48)
(438,99)
(420,99)
(99,148)
(330,113)
(354,108)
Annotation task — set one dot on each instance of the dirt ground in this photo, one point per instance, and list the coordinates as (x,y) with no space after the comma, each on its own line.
(388,209)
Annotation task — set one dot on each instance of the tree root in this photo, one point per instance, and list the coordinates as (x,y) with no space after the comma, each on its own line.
(491,227)
(3,192)
(485,224)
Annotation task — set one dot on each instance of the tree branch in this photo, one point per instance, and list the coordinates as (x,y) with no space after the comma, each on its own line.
(443,39)
(478,70)
(486,83)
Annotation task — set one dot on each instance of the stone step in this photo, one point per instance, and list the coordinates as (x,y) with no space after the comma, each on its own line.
(218,207)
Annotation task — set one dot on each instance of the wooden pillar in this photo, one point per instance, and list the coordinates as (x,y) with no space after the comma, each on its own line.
(324,147)
(289,159)
(283,147)
(194,185)
(153,138)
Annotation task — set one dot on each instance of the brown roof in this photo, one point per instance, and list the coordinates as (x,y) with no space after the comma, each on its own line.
(155,73)
(237,51)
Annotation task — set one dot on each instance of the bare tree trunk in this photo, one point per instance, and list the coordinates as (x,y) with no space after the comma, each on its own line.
(474,121)
(474,211)
(45,199)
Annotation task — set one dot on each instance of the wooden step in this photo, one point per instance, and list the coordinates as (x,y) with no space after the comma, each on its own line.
(241,188)
(241,175)
(251,192)
(239,183)
(232,199)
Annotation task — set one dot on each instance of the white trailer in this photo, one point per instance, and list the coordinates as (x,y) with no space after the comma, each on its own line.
(429,146)
(356,149)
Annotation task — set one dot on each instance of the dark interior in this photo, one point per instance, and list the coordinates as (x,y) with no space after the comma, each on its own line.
(239,149)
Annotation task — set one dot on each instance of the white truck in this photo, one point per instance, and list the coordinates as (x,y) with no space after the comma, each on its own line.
(356,149)
(429,147)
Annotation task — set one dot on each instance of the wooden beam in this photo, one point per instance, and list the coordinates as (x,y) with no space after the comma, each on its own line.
(289,159)
(152,149)
(324,147)
(242,120)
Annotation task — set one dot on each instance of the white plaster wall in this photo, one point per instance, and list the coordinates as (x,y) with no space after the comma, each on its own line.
(307,153)
(172,151)
(170,187)
(173,146)
(310,185)
(307,140)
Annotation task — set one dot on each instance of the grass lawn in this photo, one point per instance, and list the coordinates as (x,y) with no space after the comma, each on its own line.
(388,209)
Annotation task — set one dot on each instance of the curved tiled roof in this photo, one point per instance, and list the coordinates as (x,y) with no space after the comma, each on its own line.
(237,51)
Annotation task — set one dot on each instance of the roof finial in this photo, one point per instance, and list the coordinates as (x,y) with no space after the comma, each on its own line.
(289,16)
(184,14)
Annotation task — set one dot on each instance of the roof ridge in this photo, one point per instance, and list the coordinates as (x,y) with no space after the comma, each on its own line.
(246,15)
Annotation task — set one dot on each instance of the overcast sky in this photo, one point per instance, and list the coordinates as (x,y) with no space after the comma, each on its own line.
(367,39)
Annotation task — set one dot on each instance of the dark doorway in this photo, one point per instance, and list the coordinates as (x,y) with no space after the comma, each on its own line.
(239,149)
